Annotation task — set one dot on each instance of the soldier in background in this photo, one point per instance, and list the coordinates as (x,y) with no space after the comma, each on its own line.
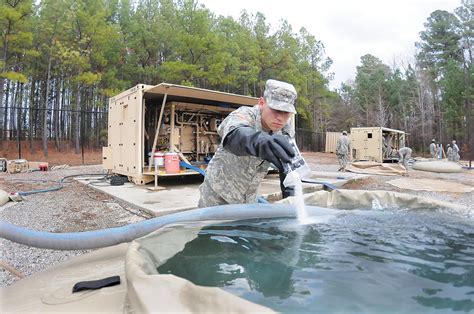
(449,152)
(343,149)
(455,151)
(251,139)
(433,149)
(404,154)
(386,149)
(439,151)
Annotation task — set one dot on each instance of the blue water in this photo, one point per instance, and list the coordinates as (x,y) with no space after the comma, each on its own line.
(372,261)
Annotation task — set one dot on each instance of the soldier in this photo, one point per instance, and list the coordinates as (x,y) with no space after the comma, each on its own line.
(433,148)
(384,145)
(251,139)
(449,152)
(455,151)
(439,152)
(343,150)
(404,154)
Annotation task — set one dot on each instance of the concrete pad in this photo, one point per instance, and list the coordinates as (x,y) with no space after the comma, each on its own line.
(172,198)
(182,194)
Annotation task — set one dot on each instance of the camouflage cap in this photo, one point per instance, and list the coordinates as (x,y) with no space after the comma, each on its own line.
(280,96)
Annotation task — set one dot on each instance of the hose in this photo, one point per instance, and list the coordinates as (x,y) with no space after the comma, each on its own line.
(107,237)
(58,187)
(188,166)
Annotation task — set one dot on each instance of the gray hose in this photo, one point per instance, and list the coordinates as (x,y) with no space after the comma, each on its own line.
(112,236)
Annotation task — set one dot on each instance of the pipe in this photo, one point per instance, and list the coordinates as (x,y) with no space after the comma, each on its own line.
(107,237)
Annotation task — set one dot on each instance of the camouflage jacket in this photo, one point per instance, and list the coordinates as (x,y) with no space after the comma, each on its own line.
(236,178)
(343,145)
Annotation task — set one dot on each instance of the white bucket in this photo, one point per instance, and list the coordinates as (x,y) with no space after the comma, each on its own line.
(159,159)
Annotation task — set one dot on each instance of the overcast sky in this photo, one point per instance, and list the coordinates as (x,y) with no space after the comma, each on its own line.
(349,29)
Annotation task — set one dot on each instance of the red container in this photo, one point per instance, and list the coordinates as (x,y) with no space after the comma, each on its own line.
(172,163)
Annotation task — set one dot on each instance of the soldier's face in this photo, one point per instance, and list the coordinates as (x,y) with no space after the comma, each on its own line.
(273,120)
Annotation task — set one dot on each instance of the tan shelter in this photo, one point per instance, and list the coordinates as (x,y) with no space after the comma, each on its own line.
(331,141)
(164,118)
(368,143)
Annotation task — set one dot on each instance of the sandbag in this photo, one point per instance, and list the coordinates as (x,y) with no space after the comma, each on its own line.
(437,166)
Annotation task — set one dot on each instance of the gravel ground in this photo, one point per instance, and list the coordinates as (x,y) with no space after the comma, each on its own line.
(77,207)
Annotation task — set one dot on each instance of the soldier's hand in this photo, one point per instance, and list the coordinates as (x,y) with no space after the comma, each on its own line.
(273,148)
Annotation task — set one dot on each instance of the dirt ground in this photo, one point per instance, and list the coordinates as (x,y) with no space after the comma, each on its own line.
(66,155)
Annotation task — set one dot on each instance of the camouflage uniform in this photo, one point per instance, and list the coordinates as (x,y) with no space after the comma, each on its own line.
(405,155)
(232,179)
(433,150)
(449,153)
(456,156)
(343,151)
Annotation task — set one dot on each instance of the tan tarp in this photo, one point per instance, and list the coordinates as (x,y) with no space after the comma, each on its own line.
(437,166)
(350,199)
(4,197)
(50,291)
(370,167)
(431,185)
(147,290)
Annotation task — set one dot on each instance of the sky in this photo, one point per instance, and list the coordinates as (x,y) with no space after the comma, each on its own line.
(349,29)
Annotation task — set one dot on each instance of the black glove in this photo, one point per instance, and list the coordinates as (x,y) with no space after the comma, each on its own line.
(244,141)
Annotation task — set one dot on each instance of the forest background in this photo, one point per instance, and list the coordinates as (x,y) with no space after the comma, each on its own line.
(60,61)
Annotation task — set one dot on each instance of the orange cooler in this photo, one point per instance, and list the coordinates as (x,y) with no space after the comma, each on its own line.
(172,162)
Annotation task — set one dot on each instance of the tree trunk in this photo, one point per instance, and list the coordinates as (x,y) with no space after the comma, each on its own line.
(46,107)
(3,111)
(56,114)
(19,90)
(13,112)
(31,114)
(76,122)
(5,117)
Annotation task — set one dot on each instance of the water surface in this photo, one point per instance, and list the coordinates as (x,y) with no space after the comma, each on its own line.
(374,261)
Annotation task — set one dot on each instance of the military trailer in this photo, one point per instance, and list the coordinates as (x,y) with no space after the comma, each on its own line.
(147,124)
(377,144)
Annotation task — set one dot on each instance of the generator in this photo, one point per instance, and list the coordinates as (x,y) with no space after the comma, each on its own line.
(166,118)
(377,144)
